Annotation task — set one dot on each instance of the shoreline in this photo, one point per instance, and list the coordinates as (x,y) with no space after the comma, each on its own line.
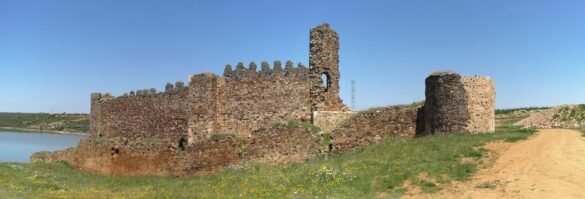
(25,130)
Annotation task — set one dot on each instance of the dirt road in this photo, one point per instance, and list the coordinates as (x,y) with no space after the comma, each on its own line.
(550,164)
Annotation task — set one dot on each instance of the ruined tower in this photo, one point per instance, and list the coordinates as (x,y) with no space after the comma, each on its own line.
(459,104)
(324,69)
(446,104)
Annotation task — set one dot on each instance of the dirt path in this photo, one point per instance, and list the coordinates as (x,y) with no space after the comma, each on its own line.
(548,165)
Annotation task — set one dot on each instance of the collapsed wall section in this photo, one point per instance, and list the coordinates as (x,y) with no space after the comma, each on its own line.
(329,120)
(371,126)
(283,143)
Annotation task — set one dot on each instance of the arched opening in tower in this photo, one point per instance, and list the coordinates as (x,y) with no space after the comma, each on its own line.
(325,80)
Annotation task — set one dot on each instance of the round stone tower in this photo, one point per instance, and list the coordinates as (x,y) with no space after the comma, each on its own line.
(324,69)
(446,104)
(459,104)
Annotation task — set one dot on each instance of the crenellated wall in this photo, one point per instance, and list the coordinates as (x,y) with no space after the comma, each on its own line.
(240,102)
(140,133)
(147,114)
(248,100)
(186,118)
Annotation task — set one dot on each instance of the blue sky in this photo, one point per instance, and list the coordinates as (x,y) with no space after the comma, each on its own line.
(53,54)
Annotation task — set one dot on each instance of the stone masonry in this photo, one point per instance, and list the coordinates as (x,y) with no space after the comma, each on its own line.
(481,104)
(329,120)
(372,126)
(324,75)
(151,128)
(216,121)
(458,104)
(241,101)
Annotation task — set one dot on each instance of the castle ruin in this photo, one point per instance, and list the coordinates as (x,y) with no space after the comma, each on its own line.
(250,114)
(240,102)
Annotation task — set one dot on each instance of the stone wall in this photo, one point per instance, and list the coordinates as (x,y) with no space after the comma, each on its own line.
(151,156)
(238,103)
(148,114)
(248,100)
(329,120)
(371,126)
(217,121)
(241,101)
(283,144)
(53,156)
(203,106)
(458,104)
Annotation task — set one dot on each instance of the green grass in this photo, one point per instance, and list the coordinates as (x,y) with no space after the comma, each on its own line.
(363,173)
(376,108)
(504,111)
(43,121)
(569,114)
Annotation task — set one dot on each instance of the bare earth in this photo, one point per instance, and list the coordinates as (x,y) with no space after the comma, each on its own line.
(550,164)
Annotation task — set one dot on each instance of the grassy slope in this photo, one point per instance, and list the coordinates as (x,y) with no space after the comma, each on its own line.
(36,121)
(363,173)
(567,114)
(504,111)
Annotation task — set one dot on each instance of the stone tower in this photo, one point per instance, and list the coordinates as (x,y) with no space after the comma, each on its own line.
(459,104)
(324,69)
(446,104)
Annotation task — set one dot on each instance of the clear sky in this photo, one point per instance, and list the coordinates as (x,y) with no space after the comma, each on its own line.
(53,54)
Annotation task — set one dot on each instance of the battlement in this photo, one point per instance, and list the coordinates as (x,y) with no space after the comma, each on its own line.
(170,89)
(101,96)
(242,73)
(240,101)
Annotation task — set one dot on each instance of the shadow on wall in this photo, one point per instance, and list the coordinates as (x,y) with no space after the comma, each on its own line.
(457,104)
(420,122)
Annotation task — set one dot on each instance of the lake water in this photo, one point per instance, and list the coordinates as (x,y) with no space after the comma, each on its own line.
(17,147)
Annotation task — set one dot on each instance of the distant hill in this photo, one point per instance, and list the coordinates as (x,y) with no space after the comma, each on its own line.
(565,116)
(45,122)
